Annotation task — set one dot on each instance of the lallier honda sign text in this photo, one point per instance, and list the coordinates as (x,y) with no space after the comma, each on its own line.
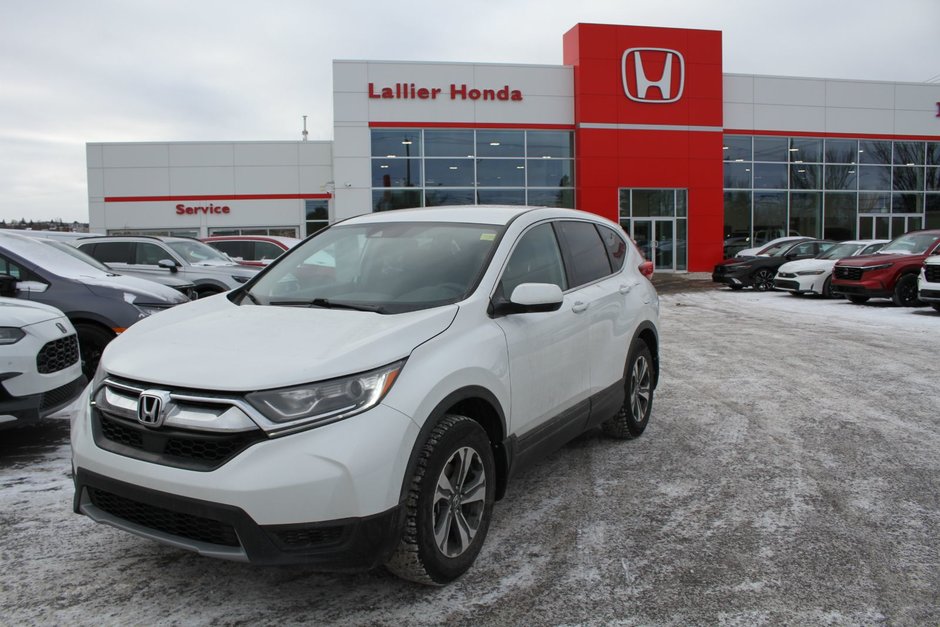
(412,91)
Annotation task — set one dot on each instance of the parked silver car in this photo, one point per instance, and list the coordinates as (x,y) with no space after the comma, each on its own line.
(150,256)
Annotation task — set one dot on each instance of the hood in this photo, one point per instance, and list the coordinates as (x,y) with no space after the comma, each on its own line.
(878,259)
(21,313)
(804,265)
(147,291)
(214,344)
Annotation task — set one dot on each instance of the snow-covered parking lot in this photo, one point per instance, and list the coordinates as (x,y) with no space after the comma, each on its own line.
(790,475)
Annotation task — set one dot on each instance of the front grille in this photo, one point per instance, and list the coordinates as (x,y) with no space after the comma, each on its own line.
(848,273)
(193,450)
(932,272)
(58,354)
(309,538)
(62,395)
(929,294)
(719,270)
(164,520)
(786,285)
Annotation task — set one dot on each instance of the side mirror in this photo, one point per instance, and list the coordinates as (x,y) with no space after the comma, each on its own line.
(169,264)
(31,287)
(530,298)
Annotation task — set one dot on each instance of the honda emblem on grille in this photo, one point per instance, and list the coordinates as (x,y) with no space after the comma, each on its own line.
(638,84)
(151,407)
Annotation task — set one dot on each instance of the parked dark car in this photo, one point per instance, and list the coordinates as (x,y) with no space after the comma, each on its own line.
(889,273)
(758,272)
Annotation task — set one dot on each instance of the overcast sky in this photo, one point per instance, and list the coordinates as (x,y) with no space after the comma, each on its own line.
(73,72)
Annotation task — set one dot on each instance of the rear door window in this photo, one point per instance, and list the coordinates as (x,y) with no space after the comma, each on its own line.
(109,252)
(585,253)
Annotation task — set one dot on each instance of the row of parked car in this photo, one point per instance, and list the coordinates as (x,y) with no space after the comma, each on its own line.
(65,296)
(905,270)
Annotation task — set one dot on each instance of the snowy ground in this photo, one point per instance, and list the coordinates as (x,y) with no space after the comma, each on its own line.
(790,475)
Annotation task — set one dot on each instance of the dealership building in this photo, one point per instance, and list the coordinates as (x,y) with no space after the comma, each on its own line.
(639,125)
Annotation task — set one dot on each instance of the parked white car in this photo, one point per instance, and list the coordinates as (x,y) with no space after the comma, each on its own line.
(928,283)
(753,252)
(370,410)
(814,276)
(40,367)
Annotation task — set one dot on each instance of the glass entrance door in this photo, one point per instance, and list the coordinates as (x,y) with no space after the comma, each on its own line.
(887,226)
(656,239)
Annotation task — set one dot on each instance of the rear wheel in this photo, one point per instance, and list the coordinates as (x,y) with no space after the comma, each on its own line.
(449,504)
(905,292)
(634,415)
(92,340)
(858,300)
(763,280)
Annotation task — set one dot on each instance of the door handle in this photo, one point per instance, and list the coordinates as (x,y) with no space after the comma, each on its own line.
(579,306)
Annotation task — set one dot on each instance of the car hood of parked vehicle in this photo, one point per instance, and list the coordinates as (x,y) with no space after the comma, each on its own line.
(15,312)
(880,258)
(808,265)
(288,345)
(148,291)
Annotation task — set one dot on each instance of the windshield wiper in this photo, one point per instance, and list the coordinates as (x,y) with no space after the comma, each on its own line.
(330,304)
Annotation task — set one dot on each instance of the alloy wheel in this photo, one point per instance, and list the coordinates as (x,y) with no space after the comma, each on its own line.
(459,502)
(640,387)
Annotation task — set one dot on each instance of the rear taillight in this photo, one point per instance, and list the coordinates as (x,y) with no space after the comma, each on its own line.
(646,269)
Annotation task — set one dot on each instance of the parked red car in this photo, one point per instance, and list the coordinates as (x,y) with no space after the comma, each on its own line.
(889,273)
(252,250)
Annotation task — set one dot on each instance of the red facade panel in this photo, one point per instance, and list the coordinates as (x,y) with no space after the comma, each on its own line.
(648,114)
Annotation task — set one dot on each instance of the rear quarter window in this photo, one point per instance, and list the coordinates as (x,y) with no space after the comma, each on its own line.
(585,253)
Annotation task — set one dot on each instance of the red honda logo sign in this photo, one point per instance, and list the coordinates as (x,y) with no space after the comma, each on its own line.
(653,75)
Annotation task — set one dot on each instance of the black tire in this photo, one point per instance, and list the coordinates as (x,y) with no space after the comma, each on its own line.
(634,415)
(858,300)
(456,445)
(763,280)
(905,292)
(827,287)
(92,340)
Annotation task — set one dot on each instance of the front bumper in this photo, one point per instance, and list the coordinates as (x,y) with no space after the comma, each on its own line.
(327,497)
(876,290)
(734,279)
(36,406)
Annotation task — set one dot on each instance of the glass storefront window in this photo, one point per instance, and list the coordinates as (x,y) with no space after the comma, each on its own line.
(805,176)
(907,179)
(908,153)
(806,213)
(771,149)
(317,215)
(841,177)
(737,148)
(447,143)
(386,200)
(554,144)
(448,172)
(551,198)
(682,203)
(500,196)
(932,211)
(500,143)
(737,222)
(770,175)
(907,203)
(549,172)
(841,151)
(396,172)
(876,152)
(396,143)
(737,175)
(770,213)
(441,197)
(932,182)
(874,203)
(933,153)
(840,216)
(805,150)
(500,172)
(653,202)
(874,177)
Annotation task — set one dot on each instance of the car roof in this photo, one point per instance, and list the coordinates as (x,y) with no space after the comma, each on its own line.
(497,215)
(114,238)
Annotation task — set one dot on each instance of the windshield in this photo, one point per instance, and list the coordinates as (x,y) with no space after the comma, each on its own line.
(776,250)
(71,250)
(910,244)
(840,251)
(388,268)
(196,252)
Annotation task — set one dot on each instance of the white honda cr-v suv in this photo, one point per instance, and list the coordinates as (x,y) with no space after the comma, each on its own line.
(366,398)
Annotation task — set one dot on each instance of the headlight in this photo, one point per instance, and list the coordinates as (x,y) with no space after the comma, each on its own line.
(326,400)
(149,309)
(11,335)
(878,267)
(809,272)
(241,279)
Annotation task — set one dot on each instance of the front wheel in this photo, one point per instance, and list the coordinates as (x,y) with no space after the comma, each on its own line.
(763,280)
(449,504)
(827,288)
(92,340)
(905,292)
(634,415)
